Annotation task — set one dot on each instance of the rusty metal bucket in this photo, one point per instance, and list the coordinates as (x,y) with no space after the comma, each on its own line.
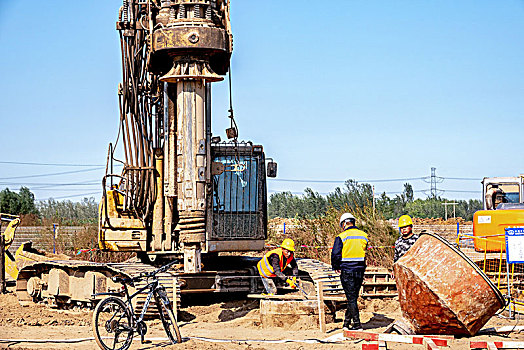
(441,291)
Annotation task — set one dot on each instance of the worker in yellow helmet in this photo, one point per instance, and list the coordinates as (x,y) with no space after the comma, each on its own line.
(279,263)
(407,237)
(348,258)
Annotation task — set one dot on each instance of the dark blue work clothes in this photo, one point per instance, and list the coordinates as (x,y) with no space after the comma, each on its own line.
(351,282)
(348,255)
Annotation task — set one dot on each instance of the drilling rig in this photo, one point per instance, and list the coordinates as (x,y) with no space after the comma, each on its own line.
(181,192)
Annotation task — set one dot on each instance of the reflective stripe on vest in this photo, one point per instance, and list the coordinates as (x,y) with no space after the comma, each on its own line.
(264,267)
(354,244)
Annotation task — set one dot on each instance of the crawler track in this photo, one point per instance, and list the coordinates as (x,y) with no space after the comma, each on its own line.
(64,284)
(377,281)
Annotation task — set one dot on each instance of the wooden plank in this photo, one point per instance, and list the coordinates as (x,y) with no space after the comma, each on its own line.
(387,295)
(491,346)
(321,310)
(497,344)
(278,297)
(439,336)
(504,329)
(388,337)
(430,344)
(334,298)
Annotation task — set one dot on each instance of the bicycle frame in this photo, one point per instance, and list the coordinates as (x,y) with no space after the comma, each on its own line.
(151,286)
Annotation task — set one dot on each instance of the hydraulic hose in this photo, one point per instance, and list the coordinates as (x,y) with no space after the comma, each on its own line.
(329,340)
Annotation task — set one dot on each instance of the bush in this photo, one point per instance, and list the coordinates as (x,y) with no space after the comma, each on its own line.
(314,237)
(85,238)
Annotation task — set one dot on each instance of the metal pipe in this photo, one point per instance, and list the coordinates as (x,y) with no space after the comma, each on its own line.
(191,153)
(158,209)
(3,289)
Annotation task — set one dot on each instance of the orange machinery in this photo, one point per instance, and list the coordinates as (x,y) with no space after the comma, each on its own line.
(490,225)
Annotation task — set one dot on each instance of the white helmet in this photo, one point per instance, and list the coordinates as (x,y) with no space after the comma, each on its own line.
(344,217)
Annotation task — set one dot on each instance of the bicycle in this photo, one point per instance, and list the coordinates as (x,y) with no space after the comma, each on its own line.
(115,322)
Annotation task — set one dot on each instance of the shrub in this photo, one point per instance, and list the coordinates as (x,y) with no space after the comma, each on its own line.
(314,237)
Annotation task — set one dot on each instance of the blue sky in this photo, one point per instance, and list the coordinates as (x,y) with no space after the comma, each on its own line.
(367,90)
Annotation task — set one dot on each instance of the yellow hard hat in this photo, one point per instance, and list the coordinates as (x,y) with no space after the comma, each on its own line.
(404,220)
(288,244)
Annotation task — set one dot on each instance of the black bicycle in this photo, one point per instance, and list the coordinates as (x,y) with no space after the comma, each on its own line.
(115,322)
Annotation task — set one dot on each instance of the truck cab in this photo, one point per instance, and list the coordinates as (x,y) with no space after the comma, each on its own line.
(511,190)
(503,199)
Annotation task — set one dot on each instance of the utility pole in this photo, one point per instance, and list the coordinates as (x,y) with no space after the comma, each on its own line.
(55,232)
(373,187)
(3,289)
(446,209)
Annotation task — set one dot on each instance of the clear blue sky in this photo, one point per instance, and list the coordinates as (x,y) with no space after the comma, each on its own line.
(350,89)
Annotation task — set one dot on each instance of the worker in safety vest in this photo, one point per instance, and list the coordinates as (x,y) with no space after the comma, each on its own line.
(276,263)
(348,258)
(406,239)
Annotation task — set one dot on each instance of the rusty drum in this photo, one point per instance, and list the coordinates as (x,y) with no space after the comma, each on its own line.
(441,291)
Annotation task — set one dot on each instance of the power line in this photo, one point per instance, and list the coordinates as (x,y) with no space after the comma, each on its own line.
(73,196)
(51,174)
(343,181)
(462,191)
(61,189)
(83,183)
(49,164)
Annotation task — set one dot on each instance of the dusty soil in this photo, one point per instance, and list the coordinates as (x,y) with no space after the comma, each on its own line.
(236,322)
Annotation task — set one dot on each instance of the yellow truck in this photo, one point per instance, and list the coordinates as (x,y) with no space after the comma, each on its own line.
(503,199)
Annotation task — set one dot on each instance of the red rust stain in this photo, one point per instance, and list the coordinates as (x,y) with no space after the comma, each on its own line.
(440,292)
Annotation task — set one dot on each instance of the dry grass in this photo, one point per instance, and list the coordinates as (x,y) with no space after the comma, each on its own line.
(86,238)
(315,237)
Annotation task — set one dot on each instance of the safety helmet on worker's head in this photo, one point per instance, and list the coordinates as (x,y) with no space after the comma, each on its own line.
(404,220)
(344,217)
(288,244)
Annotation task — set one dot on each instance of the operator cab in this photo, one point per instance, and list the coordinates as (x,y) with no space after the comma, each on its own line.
(237,213)
(498,191)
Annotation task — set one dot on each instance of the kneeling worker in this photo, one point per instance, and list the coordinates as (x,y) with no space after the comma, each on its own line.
(274,264)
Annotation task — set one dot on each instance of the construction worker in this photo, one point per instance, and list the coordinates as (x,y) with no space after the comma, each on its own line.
(494,196)
(407,237)
(348,258)
(279,263)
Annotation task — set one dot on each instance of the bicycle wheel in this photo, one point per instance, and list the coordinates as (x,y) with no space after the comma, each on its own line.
(112,324)
(166,315)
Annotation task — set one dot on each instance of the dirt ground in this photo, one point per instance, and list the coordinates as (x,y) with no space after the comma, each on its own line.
(206,323)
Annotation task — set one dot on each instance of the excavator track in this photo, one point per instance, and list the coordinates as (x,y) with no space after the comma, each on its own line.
(72,283)
(377,281)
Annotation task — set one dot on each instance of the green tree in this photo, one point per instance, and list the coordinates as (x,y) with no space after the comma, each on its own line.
(408,193)
(287,205)
(68,212)
(353,195)
(27,201)
(17,203)
(313,204)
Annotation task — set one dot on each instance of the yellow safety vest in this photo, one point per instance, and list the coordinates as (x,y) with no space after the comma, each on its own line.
(264,267)
(354,244)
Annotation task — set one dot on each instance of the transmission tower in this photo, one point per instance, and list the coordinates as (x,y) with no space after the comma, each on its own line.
(433,183)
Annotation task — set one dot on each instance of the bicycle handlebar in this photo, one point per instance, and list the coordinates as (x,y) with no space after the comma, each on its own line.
(143,274)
